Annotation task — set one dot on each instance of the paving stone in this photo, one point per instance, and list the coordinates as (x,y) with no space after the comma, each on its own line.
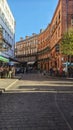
(35,111)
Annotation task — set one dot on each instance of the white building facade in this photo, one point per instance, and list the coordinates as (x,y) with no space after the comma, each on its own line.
(7,31)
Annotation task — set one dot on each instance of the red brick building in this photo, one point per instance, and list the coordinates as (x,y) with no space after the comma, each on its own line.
(26,49)
(49,40)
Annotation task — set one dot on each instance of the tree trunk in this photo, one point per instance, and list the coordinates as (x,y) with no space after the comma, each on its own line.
(70,59)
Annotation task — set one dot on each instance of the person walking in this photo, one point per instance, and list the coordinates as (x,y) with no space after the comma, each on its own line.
(61,71)
(13,71)
(10,72)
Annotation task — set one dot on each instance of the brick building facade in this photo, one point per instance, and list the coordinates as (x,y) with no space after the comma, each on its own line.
(49,54)
(26,49)
(44,47)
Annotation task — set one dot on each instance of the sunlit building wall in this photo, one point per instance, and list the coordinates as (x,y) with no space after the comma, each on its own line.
(26,49)
(7,25)
(49,54)
(48,41)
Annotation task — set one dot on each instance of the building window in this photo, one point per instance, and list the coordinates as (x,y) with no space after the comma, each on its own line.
(72,21)
(59,31)
(59,15)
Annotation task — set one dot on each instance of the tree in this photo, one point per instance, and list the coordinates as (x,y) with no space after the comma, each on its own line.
(67,44)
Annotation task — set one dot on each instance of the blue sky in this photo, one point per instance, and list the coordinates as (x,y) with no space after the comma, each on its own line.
(31,15)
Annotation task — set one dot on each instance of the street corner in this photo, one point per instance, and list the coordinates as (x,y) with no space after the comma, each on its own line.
(5,84)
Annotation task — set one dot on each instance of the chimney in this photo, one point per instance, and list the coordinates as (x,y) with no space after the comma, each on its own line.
(33,34)
(21,38)
(26,37)
(41,30)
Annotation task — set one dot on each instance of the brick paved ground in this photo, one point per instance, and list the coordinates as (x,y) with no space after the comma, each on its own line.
(30,79)
(36,111)
(4,82)
(40,110)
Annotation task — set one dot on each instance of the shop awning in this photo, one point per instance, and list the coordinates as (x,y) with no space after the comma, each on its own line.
(4,59)
(30,63)
(14,60)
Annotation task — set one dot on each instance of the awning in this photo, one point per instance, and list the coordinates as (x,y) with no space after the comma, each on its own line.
(13,60)
(30,63)
(68,63)
(4,59)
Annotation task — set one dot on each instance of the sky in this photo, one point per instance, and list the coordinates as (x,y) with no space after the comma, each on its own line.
(31,15)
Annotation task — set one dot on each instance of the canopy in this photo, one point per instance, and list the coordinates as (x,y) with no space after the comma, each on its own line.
(68,63)
(30,63)
(4,59)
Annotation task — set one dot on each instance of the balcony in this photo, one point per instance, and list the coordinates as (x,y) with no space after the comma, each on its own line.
(45,50)
(4,45)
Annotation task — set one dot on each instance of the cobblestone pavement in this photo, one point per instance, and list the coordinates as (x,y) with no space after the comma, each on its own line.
(38,79)
(5,82)
(48,109)
(36,111)
(37,82)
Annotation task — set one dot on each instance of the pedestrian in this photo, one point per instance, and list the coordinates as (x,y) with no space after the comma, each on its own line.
(51,71)
(61,71)
(13,71)
(1,71)
(10,72)
(70,71)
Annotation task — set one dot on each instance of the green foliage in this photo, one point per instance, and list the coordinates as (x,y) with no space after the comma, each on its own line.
(67,43)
